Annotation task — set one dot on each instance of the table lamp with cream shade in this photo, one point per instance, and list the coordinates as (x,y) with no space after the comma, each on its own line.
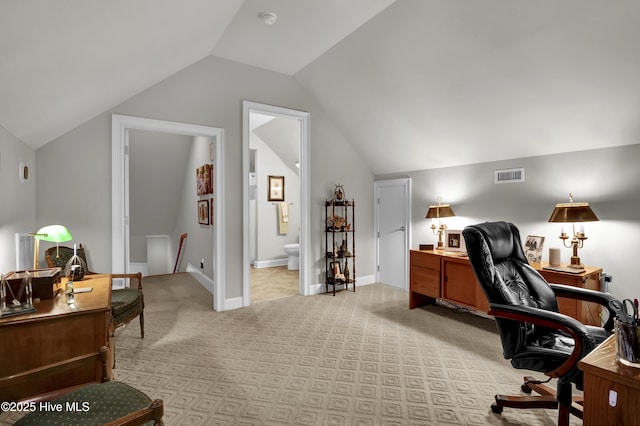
(573,212)
(435,213)
(53,233)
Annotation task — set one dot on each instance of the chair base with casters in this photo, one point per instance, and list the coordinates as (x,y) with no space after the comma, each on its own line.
(546,398)
(534,334)
(106,403)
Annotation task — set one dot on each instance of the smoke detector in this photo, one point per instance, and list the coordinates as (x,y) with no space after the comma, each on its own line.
(268,17)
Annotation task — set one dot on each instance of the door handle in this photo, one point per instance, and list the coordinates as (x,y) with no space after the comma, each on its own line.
(401,228)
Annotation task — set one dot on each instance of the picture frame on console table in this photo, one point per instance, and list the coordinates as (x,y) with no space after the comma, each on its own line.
(454,240)
(533,248)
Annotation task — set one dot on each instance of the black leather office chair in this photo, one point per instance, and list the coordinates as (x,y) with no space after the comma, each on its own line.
(535,336)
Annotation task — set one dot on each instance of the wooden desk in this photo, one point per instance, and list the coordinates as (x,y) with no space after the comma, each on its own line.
(603,374)
(448,276)
(56,332)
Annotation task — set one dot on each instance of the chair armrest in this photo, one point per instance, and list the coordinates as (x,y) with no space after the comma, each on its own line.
(587,295)
(584,343)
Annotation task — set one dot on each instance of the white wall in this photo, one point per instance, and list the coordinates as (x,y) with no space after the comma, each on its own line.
(199,242)
(157,169)
(74,188)
(210,93)
(18,205)
(606,178)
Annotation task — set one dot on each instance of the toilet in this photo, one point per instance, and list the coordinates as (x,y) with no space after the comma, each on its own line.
(293,251)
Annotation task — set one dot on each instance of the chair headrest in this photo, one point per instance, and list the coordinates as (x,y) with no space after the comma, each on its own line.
(502,240)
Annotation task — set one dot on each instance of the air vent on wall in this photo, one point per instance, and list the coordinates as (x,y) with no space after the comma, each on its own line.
(509,175)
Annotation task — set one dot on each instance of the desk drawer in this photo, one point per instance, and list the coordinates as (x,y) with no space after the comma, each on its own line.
(425,260)
(425,281)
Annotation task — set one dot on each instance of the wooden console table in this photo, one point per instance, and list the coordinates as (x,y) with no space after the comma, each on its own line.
(611,390)
(436,274)
(54,333)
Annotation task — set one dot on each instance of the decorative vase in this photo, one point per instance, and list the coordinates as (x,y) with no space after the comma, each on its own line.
(338,193)
(76,268)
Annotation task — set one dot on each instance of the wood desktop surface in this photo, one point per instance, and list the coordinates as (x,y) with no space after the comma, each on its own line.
(54,333)
(98,299)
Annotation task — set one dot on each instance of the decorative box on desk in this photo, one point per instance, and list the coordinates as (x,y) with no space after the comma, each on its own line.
(436,274)
(42,281)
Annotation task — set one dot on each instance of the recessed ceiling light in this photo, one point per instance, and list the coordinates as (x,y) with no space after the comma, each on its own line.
(268,17)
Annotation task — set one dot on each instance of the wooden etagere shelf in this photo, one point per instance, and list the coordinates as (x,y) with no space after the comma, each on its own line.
(340,255)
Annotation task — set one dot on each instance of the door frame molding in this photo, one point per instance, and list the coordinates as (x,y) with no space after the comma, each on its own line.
(120,126)
(406,183)
(303,117)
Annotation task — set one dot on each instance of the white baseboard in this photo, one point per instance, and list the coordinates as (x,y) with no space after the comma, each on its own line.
(135,267)
(322,288)
(237,302)
(202,278)
(270,263)
(233,303)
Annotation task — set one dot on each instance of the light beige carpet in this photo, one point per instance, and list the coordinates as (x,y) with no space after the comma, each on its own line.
(358,358)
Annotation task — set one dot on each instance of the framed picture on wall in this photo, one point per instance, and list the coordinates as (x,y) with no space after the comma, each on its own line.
(199,181)
(276,188)
(204,179)
(208,178)
(211,212)
(203,212)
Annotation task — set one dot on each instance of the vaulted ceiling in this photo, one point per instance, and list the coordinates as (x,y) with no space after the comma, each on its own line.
(414,84)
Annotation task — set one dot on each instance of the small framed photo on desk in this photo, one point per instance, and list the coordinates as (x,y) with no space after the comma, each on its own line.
(533,248)
(454,240)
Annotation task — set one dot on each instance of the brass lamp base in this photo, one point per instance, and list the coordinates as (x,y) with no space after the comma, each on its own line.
(576,263)
(440,245)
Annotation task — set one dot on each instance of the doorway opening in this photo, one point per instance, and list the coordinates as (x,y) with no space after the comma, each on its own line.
(275,152)
(121,245)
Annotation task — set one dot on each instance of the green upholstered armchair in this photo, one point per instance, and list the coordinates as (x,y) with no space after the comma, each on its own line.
(107,403)
(60,257)
(126,303)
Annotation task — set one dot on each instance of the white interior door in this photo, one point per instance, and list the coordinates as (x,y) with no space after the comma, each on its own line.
(393,207)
